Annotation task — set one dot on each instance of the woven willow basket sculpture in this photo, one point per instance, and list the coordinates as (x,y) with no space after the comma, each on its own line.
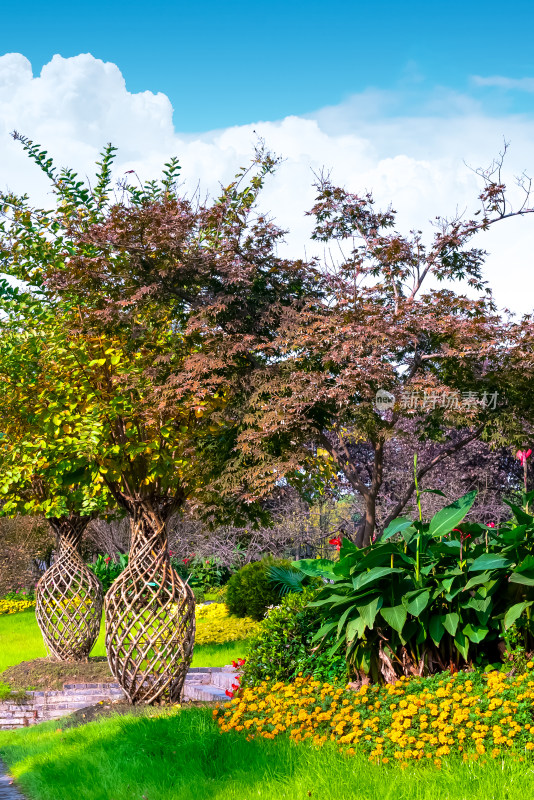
(150,621)
(69,597)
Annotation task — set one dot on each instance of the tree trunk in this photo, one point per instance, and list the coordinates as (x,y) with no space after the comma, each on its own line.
(366,529)
(150,616)
(69,596)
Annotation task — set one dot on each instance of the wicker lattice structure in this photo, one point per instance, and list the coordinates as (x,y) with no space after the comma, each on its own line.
(150,620)
(69,597)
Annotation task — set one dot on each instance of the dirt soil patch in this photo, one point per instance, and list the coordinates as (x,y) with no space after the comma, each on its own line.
(43,674)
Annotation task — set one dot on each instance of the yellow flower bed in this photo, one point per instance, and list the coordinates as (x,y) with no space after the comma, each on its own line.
(12,606)
(471,713)
(215,625)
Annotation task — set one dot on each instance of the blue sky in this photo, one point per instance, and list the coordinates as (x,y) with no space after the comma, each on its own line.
(225,64)
(399,99)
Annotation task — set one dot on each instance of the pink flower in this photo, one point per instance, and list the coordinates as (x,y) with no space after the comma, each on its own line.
(491,524)
(522,455)
(170,552)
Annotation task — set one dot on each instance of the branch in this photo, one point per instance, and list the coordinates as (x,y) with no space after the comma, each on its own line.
(448,451)
(344,465)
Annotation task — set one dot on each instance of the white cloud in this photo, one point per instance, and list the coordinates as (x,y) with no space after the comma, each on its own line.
(78,104)
(501,82)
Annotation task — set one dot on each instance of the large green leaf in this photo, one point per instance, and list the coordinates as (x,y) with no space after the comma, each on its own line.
(380,556)
(316,567)
(324,630)
(436,628)
(490,561)
(514,612)
(462,643)
(375,574)
(355,629)
(396,526)
(523,580)
(416,602)
(369,611)
(449,517)
(522,517)
(475,633)
(343,619)
(476,580)
(395,616)
(450,622)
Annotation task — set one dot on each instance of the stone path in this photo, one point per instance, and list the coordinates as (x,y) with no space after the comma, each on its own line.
(201,685)
(8,791)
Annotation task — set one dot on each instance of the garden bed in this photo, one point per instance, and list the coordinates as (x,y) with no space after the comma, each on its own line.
(471,713)
(43,674)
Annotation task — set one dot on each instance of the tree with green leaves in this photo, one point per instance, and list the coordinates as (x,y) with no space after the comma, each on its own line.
(138,278)
(39,473)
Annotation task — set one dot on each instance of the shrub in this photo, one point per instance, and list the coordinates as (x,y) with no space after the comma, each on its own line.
(250,592)
(216,626)
(201,573)
(283,646)
(107,569)
(16,601)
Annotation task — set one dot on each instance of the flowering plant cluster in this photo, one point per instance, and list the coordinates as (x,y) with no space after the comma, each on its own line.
(20,600)
(108,569)
(426,594)
(236,685)
(202,574)
(215,625)
(479,715)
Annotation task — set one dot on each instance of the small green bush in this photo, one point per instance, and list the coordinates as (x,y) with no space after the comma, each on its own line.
(283,646)
(250,592)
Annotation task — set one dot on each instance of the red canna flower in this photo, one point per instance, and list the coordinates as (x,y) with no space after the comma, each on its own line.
(186,560)
(229,694)
(336,541)
(491,524)
(463,536)
(107,559)
(522,455)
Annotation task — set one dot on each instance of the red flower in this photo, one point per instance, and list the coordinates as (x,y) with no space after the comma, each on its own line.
(229,694)
(522,455)
(336,541)
(170,552)
(107,559)
(491,524)
(185,560)
(463,536)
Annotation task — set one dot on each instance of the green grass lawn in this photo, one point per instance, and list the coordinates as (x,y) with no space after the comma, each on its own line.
(182,756)
(21,640)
